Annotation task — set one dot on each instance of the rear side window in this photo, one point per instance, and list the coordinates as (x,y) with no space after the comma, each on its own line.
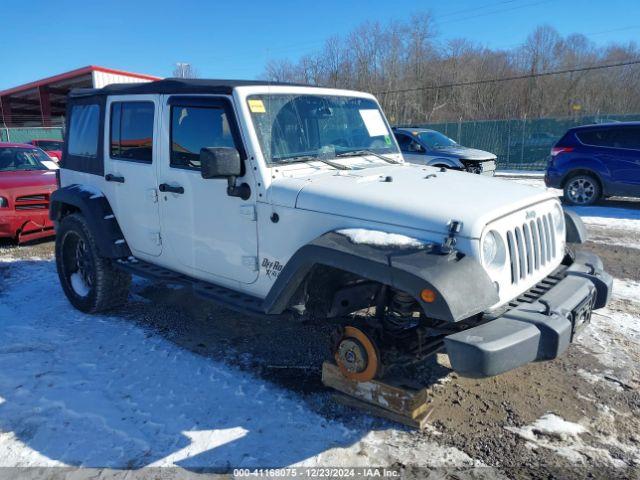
(626,137)
(84,124)
(131,135)
(193,128)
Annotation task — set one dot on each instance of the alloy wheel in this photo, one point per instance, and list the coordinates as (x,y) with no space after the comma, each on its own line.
(581,191)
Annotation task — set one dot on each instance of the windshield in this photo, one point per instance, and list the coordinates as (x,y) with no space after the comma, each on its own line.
(435,139)
(50,144)
(12,159)
(304,127)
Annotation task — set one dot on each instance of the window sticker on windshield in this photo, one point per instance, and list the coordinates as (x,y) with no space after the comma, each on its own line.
(374,123)
(387,139)
(256,106)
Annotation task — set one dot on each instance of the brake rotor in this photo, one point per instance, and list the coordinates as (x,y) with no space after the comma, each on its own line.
(357,356)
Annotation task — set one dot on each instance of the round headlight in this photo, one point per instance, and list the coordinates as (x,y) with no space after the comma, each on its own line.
(558,218)
(493,250)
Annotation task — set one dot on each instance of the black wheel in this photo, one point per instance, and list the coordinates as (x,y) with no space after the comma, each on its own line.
(90,282)
(582,190)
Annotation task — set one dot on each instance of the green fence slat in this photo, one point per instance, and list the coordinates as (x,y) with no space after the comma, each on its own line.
(519,144)
(26,134)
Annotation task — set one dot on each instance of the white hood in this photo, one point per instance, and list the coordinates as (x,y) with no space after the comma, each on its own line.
(417,197)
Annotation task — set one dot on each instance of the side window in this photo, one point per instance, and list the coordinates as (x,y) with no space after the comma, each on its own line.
(83,132)
(598,137)
(408,144)
(404,141)
(131,135)
(627,137)
(193,128)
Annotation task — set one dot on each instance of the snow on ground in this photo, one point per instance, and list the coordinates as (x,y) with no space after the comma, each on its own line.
(520,173)
(101,391)
(565,438)
(613,336)
(612,225)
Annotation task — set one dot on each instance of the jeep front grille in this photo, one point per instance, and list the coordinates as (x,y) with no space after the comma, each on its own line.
(531,247)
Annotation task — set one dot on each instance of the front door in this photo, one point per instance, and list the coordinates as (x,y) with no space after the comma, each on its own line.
(204,230)
(411,149)
(131,155)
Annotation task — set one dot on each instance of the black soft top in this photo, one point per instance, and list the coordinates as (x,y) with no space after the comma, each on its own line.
(175,85)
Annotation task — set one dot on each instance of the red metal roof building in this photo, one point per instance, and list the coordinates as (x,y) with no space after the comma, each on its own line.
(43,102)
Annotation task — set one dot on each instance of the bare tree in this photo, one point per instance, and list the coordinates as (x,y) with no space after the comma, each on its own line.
(418,78)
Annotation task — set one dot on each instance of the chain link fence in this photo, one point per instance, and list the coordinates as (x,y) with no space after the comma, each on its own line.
(26,134)
(519,144)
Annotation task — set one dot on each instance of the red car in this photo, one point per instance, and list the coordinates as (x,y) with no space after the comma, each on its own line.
(53,148)
(25,186)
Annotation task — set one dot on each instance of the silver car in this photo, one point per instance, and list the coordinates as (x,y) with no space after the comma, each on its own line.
(429,147)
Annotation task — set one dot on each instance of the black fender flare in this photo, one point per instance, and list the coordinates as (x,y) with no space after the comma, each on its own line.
(95,208)
(462,287)
(575,230)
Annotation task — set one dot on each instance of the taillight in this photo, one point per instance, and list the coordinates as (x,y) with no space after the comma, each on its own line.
(555,151)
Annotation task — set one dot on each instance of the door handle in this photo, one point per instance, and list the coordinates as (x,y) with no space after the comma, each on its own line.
(109,177)
(165,187)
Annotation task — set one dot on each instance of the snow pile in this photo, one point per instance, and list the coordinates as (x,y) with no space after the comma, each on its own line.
(550,425)
(554,433)
(626,290)
(101,391)
(78,285)
(379,238)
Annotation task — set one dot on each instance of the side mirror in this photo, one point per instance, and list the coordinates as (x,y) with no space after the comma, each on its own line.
(220,162)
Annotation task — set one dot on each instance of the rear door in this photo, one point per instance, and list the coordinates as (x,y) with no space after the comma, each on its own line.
(130,169)
(625,170)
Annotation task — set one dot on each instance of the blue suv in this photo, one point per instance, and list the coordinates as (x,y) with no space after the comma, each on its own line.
(596,161)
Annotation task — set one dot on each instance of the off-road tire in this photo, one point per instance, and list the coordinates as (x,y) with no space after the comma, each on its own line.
(107,287)
(591,187)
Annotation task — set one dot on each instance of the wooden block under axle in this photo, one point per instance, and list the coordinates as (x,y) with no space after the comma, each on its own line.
(418,423)
(408,406)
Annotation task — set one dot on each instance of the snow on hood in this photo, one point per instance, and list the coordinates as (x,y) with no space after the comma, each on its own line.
(410,196)
(380,239)
(466,153)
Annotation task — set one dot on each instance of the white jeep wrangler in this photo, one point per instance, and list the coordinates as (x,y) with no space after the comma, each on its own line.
(277,199)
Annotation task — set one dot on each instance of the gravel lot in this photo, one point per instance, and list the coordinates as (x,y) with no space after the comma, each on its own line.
(576,415)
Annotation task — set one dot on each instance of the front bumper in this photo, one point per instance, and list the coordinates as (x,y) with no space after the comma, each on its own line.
(480,167)
(540,330)
(25,225)
(553,178)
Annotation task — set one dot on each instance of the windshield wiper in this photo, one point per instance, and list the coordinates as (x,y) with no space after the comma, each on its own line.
(355,153)
(308,158)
